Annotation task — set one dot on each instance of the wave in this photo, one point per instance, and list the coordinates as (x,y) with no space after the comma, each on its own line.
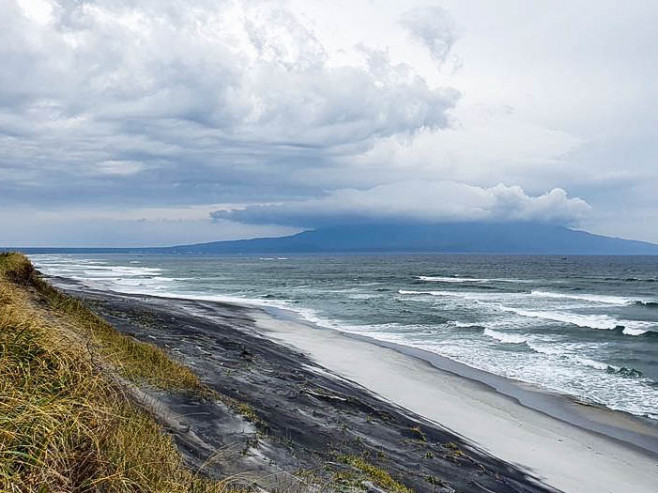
(459,279)
(647,304)
(622,371)
(587,362)
(362,296)
(595,298)
(629,331)
(628,279)
(450,279)
(551,351)
(633,332)
(118,271)
(505,338)
(429,293)
(597,365)
(471,297)
(453,294)
(603,322)
(465,325)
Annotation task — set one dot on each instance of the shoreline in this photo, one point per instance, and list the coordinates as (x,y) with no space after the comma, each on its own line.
(634,431)
(599,444)
(549,435)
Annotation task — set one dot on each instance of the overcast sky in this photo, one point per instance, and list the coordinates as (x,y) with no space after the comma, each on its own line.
(154,122)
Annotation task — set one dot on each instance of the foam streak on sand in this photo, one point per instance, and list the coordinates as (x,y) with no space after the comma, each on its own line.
(565,456)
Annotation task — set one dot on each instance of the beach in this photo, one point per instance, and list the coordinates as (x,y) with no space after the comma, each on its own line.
(319,393)
(560,453)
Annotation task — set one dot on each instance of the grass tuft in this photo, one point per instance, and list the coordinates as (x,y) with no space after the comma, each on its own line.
(375,474)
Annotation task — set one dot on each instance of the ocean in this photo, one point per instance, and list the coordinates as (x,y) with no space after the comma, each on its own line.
(584,326)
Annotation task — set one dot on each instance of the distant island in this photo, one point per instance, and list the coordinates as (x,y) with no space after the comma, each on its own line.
(492,238)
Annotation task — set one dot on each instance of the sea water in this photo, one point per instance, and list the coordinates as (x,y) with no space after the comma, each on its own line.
(585,326)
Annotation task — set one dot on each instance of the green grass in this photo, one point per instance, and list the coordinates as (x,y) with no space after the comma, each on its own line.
(65,424)
(375,474)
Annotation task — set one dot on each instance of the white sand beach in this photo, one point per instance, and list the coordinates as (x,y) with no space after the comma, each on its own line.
(564,456)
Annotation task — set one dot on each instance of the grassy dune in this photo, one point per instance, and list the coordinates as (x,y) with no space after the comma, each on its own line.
(66,424)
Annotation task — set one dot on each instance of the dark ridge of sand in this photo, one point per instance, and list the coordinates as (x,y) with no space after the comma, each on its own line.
(307,416)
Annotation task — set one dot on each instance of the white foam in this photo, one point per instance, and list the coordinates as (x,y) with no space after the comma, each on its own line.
(450,279)
(597,365)
(462,325)
(604,322)
(504,337)
(407,292)
(96,270)
(550,350)
(634,332)
(458,279)
(595,298)
(362,296)
(436,293)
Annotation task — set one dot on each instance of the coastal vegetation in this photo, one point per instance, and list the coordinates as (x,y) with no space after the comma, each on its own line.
(66,420)
(70,415)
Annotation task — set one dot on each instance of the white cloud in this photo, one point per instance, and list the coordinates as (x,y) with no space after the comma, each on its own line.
(433,27)
(418,201)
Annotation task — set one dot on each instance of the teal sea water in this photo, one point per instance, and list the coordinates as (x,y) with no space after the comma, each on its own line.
(584,326)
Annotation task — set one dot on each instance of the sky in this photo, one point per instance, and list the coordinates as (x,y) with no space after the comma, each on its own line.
(161,122)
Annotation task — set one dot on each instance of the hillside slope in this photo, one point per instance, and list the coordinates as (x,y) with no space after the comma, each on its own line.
(66,422)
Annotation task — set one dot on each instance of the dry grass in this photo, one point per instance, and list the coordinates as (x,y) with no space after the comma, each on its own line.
(65,425)
(133,359)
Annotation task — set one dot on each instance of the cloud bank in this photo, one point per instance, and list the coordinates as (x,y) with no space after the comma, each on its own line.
(442,201)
